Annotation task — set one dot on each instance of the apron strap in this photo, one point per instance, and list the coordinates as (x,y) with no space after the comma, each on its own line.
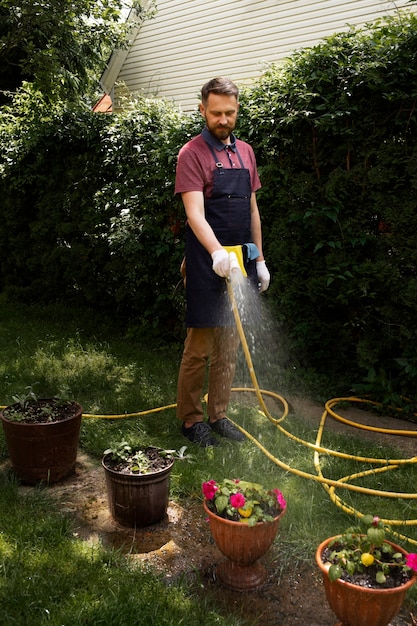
(219,165)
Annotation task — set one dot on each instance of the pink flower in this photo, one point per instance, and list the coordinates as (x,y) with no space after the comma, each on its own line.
(411,561)
(209,489)
(280,498)
(237,500)
(375,521)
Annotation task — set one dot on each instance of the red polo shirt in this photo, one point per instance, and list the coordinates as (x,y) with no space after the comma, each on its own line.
(196,163)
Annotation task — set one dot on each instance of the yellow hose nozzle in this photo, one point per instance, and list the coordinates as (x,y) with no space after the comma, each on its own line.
(239,254)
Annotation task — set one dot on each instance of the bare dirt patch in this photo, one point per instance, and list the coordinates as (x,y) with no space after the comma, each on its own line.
(181,547)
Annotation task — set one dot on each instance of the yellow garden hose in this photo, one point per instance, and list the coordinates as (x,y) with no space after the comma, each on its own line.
(328,484)
(137,414)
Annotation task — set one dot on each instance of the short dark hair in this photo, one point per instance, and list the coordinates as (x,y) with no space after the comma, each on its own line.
(222,86)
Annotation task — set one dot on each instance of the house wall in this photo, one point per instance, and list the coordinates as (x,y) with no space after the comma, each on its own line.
(187,43)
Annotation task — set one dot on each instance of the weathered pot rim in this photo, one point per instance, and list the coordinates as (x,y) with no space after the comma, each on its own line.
(375,590)
(77,406)
(239,524)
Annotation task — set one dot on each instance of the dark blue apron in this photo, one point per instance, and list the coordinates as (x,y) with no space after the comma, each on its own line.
(228,213)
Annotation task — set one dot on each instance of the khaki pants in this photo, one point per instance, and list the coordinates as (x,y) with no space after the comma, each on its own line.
(218,346)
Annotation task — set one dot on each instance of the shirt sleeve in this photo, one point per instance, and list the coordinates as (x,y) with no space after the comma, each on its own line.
(189,174)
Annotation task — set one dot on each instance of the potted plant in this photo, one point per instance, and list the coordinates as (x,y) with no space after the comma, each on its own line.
(137,481)
(244,519)
(42,437)
(365,576)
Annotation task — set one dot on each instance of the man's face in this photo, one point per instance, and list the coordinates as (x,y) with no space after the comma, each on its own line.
(220,113)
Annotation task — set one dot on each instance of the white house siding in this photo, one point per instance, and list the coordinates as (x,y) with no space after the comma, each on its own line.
(187,43)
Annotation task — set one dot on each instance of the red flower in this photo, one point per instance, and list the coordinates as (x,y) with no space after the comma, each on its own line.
(280,498)
(411,561)
(237,500)
(209,489)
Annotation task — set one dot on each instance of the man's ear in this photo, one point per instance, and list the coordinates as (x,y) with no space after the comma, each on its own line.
(202,110)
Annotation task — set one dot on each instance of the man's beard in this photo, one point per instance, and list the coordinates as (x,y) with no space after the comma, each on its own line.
(221,132)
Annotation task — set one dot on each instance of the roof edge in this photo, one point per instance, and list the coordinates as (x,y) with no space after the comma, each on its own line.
(118,57)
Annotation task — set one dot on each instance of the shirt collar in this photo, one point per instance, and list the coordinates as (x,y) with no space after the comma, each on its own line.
(216,143)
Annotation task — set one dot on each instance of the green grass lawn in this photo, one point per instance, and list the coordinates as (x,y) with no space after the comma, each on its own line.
(49,576)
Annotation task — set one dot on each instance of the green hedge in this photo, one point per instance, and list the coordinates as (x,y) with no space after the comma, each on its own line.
(89,214)
(334,131)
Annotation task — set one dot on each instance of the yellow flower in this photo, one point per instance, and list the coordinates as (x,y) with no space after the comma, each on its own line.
(367,559)
(245,512)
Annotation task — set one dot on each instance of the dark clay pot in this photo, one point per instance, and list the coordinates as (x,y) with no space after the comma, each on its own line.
(43,452)
(360,606)
(138,500)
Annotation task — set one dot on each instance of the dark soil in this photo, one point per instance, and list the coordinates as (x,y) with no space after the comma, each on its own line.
(154,462)
(395,578)
(40,411)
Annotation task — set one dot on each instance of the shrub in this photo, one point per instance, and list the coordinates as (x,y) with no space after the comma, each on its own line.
(334,133)
(89,213)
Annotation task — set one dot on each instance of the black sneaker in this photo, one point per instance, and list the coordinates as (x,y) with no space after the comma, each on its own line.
(225,428)
(201,434)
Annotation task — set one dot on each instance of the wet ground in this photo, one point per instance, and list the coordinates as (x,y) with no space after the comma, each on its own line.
(181,547)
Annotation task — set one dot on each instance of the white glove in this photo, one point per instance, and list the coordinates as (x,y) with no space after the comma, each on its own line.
(263,275)
(221,262)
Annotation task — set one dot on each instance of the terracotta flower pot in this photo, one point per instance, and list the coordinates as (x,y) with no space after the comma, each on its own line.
(361,606)
(243,546)
(43,451)
(138,500)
